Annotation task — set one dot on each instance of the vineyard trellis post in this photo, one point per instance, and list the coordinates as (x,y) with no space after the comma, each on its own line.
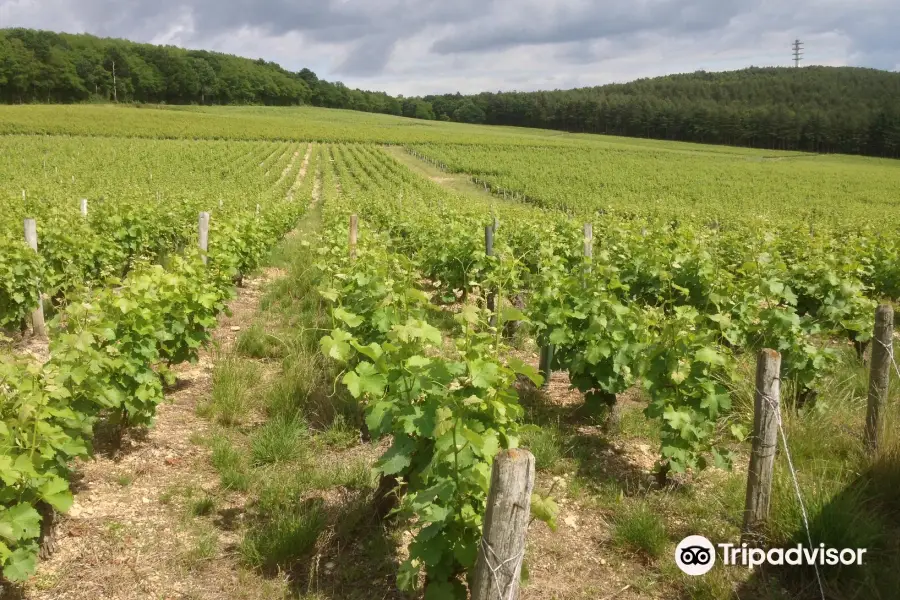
(766,407)
(84,207)
(354,231)
(879,375)
(203,235)
(502,548)
(37,315)
(489,251)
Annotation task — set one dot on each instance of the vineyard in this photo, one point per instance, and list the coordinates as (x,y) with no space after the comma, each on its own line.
(445,293)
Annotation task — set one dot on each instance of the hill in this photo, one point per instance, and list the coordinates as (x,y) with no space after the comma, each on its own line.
(43,66)
(817,109)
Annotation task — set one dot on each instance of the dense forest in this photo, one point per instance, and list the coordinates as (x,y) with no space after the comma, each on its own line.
(42,66)
(818,109)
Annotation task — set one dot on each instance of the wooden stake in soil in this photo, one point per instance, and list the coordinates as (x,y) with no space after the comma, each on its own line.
(354,229)
(546,365)
(489,251)
(37,315)
(879,376)
(502,547)
(84,207)
(766,404)
(203,234)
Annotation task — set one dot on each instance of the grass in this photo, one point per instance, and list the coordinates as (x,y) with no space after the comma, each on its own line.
(340,435)
(549,446)
(233,469)
(202,506)
(283,538)
(640,530)
(125,480)
(255,342)
(280,440)
(232,385)
(205,546)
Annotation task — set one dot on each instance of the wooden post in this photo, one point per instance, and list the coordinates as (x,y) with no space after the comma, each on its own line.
(546,365)
(203,231)
(879,376)
(489,250)
(502,548)
(354,230)
(766,406)
(84,207)
(37,315)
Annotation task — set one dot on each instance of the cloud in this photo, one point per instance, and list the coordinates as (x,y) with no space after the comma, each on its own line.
(430,46)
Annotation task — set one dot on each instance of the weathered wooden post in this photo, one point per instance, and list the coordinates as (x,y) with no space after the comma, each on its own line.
(84,207)
(489,251)
(37,315)
(880,374)
(354,230)
(766,407)
(502,548)
(203,235)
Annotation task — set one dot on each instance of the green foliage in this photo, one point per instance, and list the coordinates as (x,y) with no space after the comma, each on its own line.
(39,434)
(448,411)
(20,279)
(131,299)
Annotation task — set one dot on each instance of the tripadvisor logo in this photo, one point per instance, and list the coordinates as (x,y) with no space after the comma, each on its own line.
(696,555)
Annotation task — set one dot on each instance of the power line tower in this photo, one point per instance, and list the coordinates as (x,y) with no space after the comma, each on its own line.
(798,52)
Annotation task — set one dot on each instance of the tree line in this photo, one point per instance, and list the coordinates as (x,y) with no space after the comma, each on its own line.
(43,66)
(817,109)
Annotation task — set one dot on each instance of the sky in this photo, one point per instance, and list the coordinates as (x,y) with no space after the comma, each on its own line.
(417,47)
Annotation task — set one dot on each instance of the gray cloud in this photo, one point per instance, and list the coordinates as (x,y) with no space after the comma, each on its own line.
(420,46)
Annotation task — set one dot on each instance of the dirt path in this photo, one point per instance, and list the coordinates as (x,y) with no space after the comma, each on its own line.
(457,182)
(129,533)
(126,534)
(289,166)
(301,174)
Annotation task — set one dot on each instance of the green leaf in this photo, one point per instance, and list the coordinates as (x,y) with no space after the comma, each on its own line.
(739,432)
(55,492)
(336,346)
(510,313)
(20,522)
(397,457)
(417,362)
(527,370)
(365,379)
(710,356)
(352,320)
(484,373)
(544,508)
(379,416)
(21,564)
